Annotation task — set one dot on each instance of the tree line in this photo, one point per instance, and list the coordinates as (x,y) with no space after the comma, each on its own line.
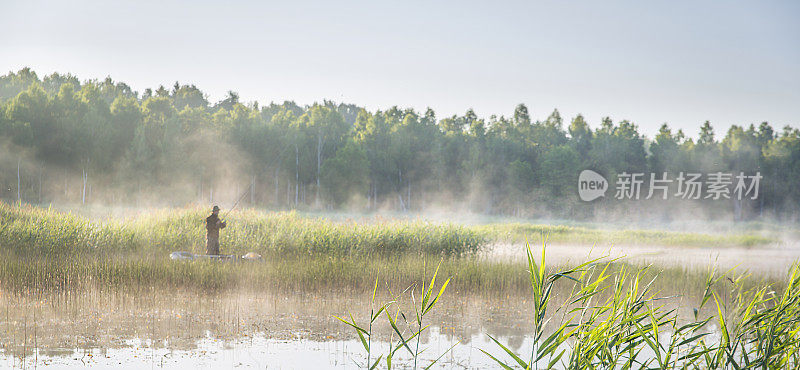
(100,141)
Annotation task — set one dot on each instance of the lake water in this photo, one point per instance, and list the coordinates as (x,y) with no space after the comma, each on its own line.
(145,330)
(159,328)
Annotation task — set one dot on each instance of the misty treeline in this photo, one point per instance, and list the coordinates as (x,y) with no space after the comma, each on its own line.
(101,142)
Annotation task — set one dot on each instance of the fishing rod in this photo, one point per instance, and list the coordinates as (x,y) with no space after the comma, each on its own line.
(237,201)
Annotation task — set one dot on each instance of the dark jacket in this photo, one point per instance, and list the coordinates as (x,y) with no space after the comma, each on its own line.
(213,224)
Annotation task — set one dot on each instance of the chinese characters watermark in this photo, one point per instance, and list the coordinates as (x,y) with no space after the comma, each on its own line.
(686,185)
(714,186)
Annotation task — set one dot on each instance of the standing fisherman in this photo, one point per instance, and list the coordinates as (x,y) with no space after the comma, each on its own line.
(213,224)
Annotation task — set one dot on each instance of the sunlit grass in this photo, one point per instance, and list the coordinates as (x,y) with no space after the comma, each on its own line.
(43,249)
(520,232)
(31,231)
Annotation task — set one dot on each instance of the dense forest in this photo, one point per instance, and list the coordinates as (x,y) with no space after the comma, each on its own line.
(100,142)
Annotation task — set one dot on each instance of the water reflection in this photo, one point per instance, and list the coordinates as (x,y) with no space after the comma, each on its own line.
(101,327)
(256,352)
(152,328)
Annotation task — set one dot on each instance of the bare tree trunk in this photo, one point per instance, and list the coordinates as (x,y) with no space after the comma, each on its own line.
(320,143)
(83,191)
(374,190)
(408,197)
(296,173)
(400,191)
(19,180)
(369,196)
(277,201)
(85,180)
(40,184)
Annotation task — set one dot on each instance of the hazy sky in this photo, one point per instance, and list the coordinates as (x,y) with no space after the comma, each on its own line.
(681,62)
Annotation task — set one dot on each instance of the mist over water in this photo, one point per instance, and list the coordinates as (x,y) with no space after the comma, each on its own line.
(344,208)
(477,185)
(70,142)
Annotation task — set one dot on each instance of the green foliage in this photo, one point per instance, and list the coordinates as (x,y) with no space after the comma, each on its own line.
(560,168)
(520,176)
(345,174)
(632,329)
(175,143)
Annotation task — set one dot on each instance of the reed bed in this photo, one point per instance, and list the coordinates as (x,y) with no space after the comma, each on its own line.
(631,326)
(44,249)
(600,314)
(520,233)
(603,315)
(31,231)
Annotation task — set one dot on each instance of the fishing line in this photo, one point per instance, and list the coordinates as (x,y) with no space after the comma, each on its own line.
(237,201)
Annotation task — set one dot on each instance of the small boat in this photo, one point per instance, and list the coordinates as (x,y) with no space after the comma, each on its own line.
(181,256)
(252,256)
(215,257)
(189,256)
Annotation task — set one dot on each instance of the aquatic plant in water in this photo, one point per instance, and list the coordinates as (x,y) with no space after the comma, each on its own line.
(632,329)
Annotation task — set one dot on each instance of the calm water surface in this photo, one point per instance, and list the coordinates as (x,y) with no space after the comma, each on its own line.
(151,329)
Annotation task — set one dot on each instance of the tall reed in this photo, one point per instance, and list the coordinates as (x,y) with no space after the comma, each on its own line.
(409,333)
(633,328)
